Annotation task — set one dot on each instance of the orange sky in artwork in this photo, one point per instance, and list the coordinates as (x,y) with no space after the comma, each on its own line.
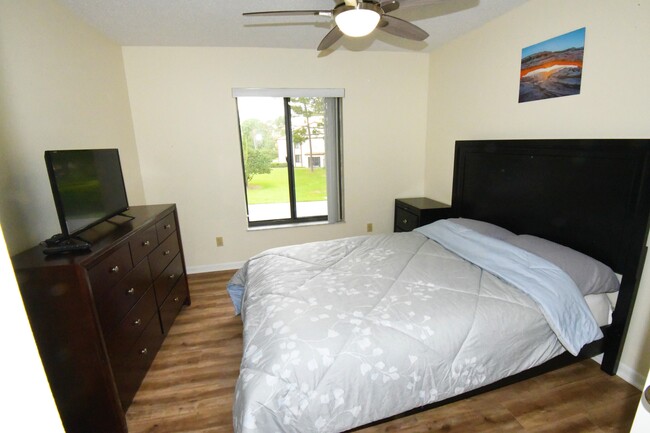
(550,64)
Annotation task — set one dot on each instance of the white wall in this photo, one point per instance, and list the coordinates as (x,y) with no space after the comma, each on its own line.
(642,417)
(187,136)
(28,404)
(62,86)
(473,93)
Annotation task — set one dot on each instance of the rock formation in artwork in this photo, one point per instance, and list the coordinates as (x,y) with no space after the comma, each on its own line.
(549,74)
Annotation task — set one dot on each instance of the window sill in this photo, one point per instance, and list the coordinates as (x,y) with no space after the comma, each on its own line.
(293,225)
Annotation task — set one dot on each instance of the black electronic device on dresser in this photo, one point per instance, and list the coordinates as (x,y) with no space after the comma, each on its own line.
(99,316)
(88,189)
(411,213)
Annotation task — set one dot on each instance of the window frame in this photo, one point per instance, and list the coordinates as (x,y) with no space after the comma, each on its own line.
(334,180)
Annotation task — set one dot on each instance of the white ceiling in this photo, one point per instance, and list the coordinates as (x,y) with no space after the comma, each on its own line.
(220,23)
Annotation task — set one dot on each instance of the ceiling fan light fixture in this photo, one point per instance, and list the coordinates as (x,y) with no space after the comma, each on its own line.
(358,21)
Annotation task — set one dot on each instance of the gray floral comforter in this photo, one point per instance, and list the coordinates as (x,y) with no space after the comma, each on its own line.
(341,333)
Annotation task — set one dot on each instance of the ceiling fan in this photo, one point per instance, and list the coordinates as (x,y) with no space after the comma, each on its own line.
(358,18)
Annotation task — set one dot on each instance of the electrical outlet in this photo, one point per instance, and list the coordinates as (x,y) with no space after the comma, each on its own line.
(369,227)
(219,241)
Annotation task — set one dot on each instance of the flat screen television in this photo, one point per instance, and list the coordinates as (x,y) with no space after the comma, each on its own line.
(88,187)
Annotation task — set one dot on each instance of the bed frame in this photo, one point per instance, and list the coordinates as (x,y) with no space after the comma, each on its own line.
(590,195)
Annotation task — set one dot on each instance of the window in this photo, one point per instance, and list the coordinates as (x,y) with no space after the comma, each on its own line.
(290,147)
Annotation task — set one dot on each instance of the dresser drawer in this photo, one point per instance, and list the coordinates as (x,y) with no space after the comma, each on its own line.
(163,255)
(143,243)
(166,227)
(110,270)
(172,305)
(167,278)
(132,326)
(405,221)
(131,365)
(119,299)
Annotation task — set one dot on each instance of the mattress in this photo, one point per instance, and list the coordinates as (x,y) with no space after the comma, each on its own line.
(341,333)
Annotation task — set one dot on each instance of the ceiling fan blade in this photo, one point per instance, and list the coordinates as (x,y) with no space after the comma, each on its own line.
(389,6)
(401,28)
(407,4)
(329,39)
(288,13)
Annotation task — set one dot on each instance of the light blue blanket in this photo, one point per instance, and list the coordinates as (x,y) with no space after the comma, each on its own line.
(550,287)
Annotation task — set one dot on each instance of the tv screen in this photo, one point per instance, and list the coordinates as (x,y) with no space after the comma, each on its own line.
(87,185)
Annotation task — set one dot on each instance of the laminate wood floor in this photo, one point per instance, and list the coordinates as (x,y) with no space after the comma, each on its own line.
(191,383)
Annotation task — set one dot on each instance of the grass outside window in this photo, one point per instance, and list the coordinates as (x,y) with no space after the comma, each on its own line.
(273,187)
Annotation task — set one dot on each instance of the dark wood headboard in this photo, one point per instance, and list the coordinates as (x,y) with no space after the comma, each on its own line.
(590,195)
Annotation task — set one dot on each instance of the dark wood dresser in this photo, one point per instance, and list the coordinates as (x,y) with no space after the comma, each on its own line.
(411,213)
(100,316)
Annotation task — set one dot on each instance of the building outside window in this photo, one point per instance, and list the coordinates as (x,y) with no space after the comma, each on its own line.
(291,154)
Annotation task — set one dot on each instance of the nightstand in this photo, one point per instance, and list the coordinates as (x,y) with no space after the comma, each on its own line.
(411,213)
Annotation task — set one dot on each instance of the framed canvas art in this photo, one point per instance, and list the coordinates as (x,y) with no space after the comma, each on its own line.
(552,68)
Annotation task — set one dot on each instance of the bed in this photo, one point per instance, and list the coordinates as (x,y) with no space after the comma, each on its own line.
(342,333)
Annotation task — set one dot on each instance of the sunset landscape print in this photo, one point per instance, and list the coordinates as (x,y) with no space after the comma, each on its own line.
(552,68)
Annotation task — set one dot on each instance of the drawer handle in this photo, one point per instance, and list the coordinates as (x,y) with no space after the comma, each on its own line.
(166,253)
(115,269)
(130,291)
(167,226)
(405,221)
(176,299)
(146,243)
(172,276)
(144,351)
(137,322)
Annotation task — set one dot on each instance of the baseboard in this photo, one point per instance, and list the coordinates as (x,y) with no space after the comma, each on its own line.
(214,268)
(630,376)
(626,373)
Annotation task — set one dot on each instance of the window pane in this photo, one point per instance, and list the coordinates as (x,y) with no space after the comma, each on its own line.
(264,152)
(295,178)
(308,136)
